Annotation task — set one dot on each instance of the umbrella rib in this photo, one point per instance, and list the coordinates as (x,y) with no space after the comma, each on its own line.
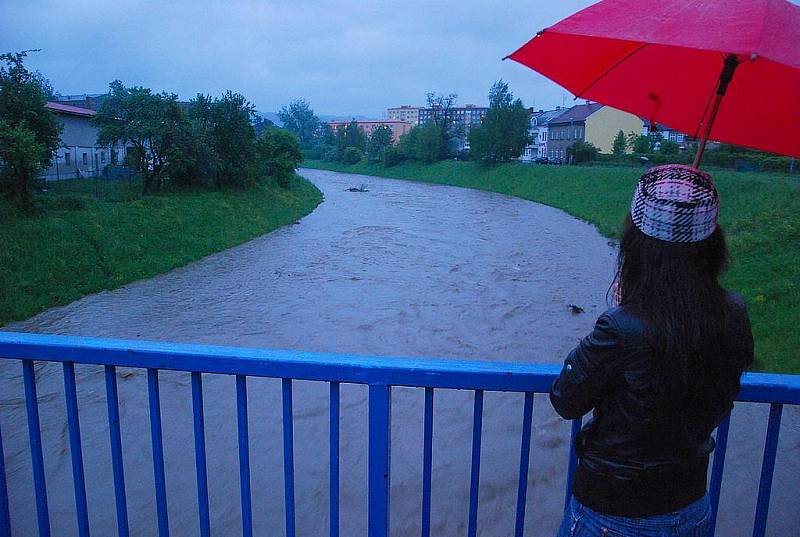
(617,64)
(705,110)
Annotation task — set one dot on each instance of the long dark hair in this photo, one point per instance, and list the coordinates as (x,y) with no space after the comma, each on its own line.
(674,288)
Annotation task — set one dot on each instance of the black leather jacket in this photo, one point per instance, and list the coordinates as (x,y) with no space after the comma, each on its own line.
(645,450)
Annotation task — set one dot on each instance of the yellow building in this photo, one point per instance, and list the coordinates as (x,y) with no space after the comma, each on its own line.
(603,126)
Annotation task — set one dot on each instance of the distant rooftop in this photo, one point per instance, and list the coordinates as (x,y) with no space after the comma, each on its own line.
(68,109)
(579,112)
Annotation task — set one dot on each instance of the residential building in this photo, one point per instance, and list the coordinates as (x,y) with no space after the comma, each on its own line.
(662,132)
(79,155)
(406,113)
(591,122)
(538,132)
(398,128)
(468,115)
(90,101)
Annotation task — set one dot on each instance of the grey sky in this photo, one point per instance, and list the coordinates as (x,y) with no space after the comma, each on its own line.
(345,57)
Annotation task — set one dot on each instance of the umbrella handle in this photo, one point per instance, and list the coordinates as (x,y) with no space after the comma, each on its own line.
(728,68)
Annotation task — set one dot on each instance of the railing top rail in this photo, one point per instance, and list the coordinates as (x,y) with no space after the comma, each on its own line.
(349,368)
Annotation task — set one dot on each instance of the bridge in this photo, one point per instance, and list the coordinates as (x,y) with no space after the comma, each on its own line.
(380,374)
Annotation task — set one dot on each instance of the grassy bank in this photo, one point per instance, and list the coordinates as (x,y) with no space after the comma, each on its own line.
(94,236)
(760,213)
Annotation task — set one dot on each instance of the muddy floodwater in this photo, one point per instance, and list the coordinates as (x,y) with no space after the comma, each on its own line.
(403,269)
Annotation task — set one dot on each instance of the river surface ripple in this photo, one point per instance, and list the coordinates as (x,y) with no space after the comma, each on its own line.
(404,269)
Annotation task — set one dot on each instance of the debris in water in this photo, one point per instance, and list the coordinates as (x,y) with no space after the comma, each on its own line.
(362,188)
(575,309)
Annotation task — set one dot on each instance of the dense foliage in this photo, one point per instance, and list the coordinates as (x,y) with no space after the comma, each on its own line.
(213,143)
(299,119)
(29,132)
(582,151)
(503,135)
(279,154)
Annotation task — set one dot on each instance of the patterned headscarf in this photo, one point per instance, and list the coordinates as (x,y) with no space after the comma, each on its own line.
(675,203)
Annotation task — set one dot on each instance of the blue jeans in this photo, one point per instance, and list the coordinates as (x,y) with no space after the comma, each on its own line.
(694,520)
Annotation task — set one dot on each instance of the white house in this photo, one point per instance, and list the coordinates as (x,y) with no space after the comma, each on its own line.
(537,130)
(79,155)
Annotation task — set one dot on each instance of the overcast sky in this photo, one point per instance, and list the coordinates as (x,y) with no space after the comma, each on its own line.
(346,57)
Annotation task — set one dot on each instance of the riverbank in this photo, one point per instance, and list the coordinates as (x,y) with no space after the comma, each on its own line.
(90,240)
(760,212)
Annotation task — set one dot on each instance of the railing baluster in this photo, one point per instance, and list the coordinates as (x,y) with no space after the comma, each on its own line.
(716,470)
(244,455)
(334,449)
(475,474)
(37,460)
(427,462)
(157,438)
(379,459)
(573,459)
(524,457)
(288,456)
(200,454)
(5,515)
(112,401)
(73,421)
(767,469)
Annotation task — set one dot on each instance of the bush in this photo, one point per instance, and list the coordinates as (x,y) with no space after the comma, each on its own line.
(582,151)
(352,155)
(392,157)
(278,152)
(431,144)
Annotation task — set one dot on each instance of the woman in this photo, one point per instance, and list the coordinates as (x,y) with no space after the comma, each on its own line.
(660,370)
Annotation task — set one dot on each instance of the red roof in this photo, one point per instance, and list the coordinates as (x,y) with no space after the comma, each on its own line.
(67,109)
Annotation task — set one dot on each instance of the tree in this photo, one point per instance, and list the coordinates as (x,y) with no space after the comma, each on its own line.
(639,144)
(620,144)
(279,154)
(192,158)
(299,118)
(30,132)
(379,140)
(151,123)
(407,144)
(349,135)
(234,139)
(261,124)
(442,116)
(669,147)
(431,144)
(503,134)
(582,152)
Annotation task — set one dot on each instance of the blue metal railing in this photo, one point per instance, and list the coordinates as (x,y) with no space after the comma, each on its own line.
(379,373)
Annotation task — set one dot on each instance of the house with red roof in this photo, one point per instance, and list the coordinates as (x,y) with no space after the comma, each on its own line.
(79,154)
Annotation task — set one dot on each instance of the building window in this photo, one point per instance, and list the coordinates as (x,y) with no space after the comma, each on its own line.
(577,133)
(102,157)
(67,159)
(85,159)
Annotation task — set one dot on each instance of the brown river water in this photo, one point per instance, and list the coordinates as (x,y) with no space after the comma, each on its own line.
(404,269)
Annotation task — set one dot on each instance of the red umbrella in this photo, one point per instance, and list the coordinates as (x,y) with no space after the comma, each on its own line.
(671,61)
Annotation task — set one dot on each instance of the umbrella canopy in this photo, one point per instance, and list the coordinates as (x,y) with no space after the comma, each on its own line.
(663,60)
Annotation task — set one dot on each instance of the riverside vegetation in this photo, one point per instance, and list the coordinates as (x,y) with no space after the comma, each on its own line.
(82,245)
(210,174)
(760,214)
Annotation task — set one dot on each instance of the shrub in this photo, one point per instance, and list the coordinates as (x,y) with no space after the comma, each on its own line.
(392,157)
(279,155)
(352,155)
(582,152)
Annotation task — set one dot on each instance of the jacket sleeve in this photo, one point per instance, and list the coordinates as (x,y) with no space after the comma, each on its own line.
(587,370)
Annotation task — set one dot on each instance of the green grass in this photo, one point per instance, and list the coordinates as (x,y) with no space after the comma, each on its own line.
(760,213)
(92,238)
